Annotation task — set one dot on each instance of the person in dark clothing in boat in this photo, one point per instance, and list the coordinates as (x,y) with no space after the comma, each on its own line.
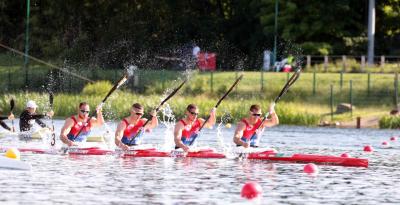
(29,116)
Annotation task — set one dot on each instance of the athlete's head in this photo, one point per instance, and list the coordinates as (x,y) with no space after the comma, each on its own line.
(137,110)
(192,111)
(83,109)
(255,111)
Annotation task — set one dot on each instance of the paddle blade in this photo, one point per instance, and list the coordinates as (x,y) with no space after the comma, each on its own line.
(288,84)
(12,104)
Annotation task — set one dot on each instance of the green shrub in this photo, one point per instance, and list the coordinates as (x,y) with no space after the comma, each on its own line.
(389,122)
(100,88)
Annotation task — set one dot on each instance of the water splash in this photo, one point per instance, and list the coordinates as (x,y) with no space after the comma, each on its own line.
(168,120)
(226,147)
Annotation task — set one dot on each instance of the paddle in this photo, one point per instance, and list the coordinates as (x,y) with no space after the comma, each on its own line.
(216,106)
(53,135)
(119,83)
(12,105)
(158,108)
(284,90)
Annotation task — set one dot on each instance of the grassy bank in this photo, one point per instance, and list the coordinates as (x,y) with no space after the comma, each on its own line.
(293,113)
(307,103)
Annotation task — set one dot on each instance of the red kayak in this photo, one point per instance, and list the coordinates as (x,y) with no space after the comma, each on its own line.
(310,158)
(269,155)
(203,153)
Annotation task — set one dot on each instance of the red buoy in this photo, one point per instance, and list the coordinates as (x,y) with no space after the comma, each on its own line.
(393,138)
(384,143)
(310,168)
(368,148)
(251,190)
(345,155)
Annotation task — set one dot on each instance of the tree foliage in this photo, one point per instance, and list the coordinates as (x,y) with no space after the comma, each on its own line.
(112,33)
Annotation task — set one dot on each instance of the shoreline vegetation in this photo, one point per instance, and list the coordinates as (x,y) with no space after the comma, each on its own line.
(296,108)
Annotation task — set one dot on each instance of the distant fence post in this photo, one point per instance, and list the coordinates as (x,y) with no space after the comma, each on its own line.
(344,63)
(9,80)
(211,81)
(308,62)
(287,77)
(396,88)
(136,80)
(236,77)
(351,98)
(331,101)
(341,80)
(262,79)
(362,63)
(369,84)
(314,81)
(382,61)
(326,63)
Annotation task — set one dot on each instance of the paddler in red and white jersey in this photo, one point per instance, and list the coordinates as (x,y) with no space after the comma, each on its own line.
(130,130)
(186,130)
(78,127)
(248,129)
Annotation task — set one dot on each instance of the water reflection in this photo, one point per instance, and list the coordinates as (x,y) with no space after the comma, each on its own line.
(74,179)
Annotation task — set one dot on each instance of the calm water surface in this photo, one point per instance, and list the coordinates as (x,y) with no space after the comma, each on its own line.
(57,179)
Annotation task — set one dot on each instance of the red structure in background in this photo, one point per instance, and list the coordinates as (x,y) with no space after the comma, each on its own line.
(207,61)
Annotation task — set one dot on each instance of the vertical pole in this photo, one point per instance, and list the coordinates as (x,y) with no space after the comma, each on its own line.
(308,61)
(331,102)
(26,59)
(314,81)
(341,80)
(369,84)
(396,89)
(262,80)
(236,77)
(9,80)
(362,63)
(344,63)
(275,31)
(351,98)
(382,63)
(163,80)
(371,31)
(287,77)
(326,63)
(212,82)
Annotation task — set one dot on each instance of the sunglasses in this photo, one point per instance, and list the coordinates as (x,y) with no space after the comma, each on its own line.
(85,111)
(256,114)
(138,113)
(193,113)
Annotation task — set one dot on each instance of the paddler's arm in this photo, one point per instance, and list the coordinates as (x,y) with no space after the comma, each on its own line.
(4,125)
(211,121)
(99,121)
(118,136)
(238,135)
(178,135)
(65,130)
(154,120)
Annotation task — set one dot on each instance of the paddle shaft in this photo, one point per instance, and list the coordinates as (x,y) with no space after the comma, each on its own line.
(12,105)
(216,106)
(284,90)
(53,135)
(115,87)
(158,108)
